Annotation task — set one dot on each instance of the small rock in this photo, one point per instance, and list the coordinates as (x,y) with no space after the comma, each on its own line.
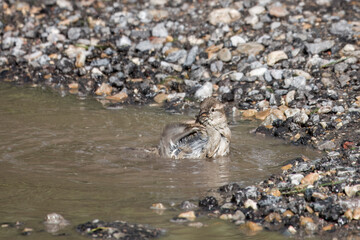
(119,97)
(223,15)
(236,76)
(224,55)
(262,115)
(250,204)
(190,215)
(144,46)
(273,217)
(288,214)
(253,227)
(275,57)
(341,28)
(196,224)
(249,113)
(124,41)
(160,98)
(104,89)
(352,190)
(190,59)
(356,213)
(159,30)
(305,220)
(278,11)
(316,48)
(251,48)
(310,178)
(327,145)
(158,206)
(236,40)
(226,216)
(296,178)
(256,10)
(257,72)
(204,91)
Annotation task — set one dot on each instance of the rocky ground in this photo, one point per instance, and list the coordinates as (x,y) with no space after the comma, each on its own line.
(294,65)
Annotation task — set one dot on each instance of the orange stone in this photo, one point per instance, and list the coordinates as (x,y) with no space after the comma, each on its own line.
(286,167)
(249,113)
(119,97)
(253,226)
(275,192)
(104,89)
(273,217)
(328,227)
(288,213)
(305,220)
(160,98)
(262,115)
(310,178)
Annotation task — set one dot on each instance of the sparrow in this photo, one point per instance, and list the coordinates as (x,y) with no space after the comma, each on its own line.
(206,137)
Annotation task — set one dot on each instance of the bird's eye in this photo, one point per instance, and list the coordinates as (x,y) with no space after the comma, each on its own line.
(213,110)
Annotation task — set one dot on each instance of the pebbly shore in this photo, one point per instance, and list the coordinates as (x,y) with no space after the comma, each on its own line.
(293,65)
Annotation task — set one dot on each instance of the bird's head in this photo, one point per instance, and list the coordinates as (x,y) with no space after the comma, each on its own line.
(211,113)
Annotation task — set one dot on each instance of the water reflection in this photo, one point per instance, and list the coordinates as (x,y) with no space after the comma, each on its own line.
(83,161)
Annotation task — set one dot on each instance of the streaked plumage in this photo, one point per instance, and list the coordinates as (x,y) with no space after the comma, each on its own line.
(208,137)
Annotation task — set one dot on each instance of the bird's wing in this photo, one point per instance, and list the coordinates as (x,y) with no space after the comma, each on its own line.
(180,137)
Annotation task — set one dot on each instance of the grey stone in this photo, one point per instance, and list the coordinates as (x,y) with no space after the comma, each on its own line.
(236,76)
(176,56)
(341,67)
(144,46)
(267,76)
(298,82)
(115,81)
(65,65)
(159,30)
(74,33)
(277,74)
(338,109)
(344,79)
(315,48)
(190,59)
(341,28)
(328,145)
(196,72)
(142,34)
(124,41)
(100,62)
(216,66)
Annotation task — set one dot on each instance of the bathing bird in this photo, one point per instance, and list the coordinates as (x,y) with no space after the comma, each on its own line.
(206,137)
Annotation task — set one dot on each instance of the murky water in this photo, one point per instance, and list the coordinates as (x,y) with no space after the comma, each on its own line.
(73,157)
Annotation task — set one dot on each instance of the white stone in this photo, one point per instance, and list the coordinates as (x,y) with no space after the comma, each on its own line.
(256,10)
(250,203)
(257,72)
(204,91)
(223,15)
(275,57)
(235,40)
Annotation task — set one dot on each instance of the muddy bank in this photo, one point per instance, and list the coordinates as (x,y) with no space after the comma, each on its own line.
(294,66)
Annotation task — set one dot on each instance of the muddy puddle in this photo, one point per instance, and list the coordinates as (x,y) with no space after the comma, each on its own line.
(73,157)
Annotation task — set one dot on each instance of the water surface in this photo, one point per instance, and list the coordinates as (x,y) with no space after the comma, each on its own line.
(73,157)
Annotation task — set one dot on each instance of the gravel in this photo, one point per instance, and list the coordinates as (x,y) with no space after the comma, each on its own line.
(296,64)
